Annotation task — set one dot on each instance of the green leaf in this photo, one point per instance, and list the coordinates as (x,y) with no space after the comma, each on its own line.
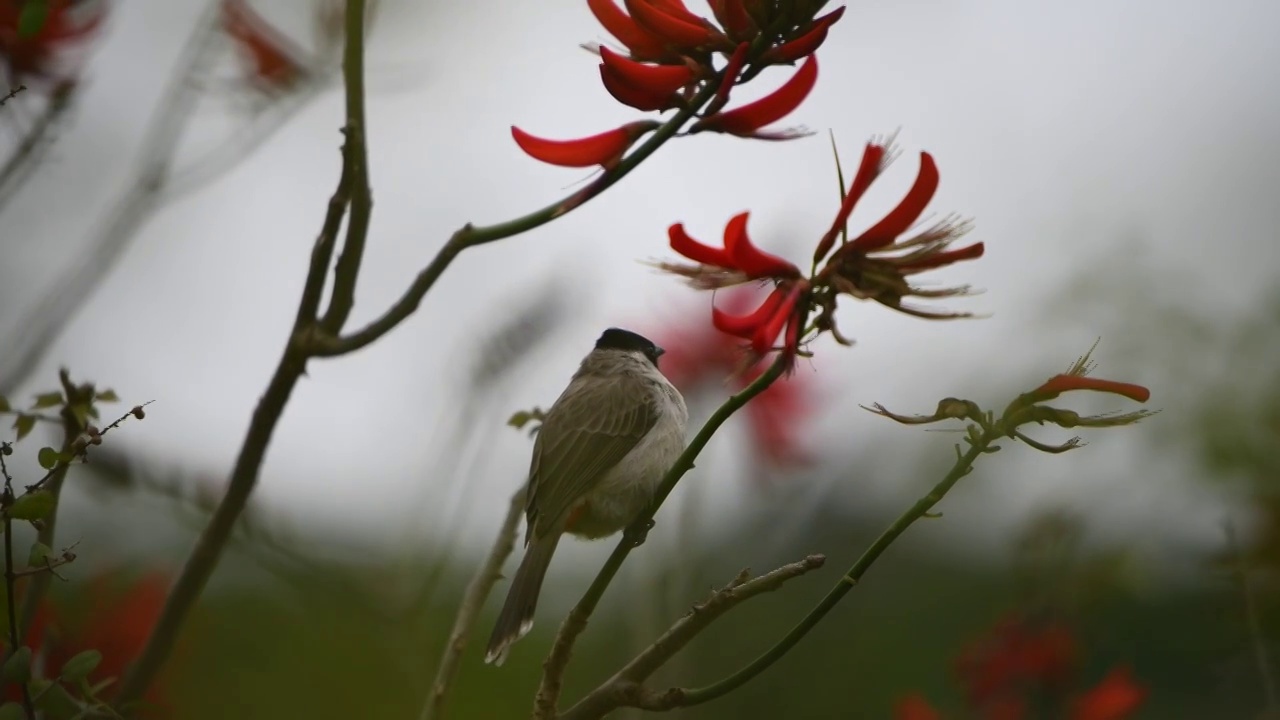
(49,458)
(58,704)
(38,554)
(32,17)
(12,711)
(24,424)
(79,667)
(107,396)
(17,669)
(47,400)
(4,404)
(33,505)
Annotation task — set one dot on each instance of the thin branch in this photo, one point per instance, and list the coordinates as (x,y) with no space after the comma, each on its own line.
(573,625)
(13,93)
(244,476)
(347,271)
(10,579)
(963,466)
(470,236)
(625,688)
(26,157)
(477,592)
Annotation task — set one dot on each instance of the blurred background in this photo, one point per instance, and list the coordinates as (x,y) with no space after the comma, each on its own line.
(166,172)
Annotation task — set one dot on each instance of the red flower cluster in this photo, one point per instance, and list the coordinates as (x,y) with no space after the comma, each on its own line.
(116,624)
(874,265)
(47,50)
(671,62)
(1021,659)
(700,356)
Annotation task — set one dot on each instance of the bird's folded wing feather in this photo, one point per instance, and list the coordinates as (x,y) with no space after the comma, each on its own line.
(585,434)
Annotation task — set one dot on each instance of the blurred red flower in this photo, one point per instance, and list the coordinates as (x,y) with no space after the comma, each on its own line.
(1115,698)
(111,617)
(699,357)
(46,47)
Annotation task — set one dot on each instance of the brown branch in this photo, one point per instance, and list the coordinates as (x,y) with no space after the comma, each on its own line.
(626,688)
(478,591)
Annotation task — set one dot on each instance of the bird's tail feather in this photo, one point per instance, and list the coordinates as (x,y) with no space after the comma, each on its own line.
(516,618)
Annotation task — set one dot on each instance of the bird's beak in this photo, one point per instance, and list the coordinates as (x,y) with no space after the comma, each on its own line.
(661,352)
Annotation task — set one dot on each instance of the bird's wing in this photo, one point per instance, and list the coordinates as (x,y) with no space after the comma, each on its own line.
(585,434)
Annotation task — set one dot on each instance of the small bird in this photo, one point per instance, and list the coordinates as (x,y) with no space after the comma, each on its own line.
(602,451)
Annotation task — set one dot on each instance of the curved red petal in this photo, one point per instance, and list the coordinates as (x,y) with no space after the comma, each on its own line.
(628,94)
(806,43)
(1059,384)
(624,28)
(694,250)
(764,336)
(730,73)
(602,149)
(746,325)
(684,30)
(868,170)
(751,117)
(748,258)
(656,79)
(902,217)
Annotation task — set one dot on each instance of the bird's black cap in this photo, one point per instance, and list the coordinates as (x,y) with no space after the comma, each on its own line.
(619,339)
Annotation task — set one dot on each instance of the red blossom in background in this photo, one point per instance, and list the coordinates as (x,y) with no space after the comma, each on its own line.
(272,62)
(669,56)
(700,357)
(115,620)
(1020,661)
(52,54)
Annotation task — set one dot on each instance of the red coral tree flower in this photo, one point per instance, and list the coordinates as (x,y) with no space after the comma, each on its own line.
(273,62)
(672,58)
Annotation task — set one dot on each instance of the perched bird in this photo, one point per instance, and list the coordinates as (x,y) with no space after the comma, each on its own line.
(602,451)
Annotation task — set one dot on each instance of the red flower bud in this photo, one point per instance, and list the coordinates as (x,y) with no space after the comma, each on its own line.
(604,149)
(1059,384)
(806,44)
(624,28)
(748,119)
(672,22)
(639,85)
(733,17)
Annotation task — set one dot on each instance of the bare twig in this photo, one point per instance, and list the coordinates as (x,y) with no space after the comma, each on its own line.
(487,575)
(562,647)
(13,93)
(1253,623)
(626,689)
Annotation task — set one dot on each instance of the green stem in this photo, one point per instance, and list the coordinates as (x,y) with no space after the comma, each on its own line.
(962,467)
(470,235)
(576,622)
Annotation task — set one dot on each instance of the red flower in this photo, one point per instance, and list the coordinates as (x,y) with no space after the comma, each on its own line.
(1017,655)
(642,86)
(740,261)
(699,356)
(1115,698)
(605,149)
(747,120)
(274,62)
(48,53)
(116,621)
(875,265)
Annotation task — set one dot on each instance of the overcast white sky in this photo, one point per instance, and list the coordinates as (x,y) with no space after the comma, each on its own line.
(1065,129)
